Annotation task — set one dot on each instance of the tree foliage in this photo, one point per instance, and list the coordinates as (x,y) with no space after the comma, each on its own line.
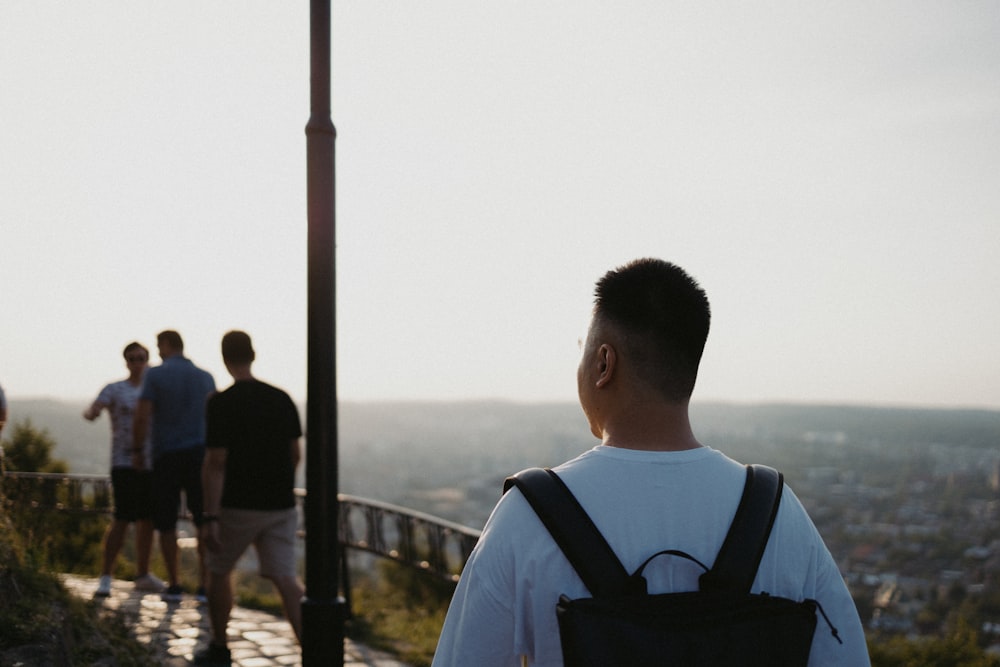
(959,648)
(29,449)
(58,541)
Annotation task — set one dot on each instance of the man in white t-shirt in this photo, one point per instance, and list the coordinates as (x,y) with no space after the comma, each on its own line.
(649,486)
(132,486)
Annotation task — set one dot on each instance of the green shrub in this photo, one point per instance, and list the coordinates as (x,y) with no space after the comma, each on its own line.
(400,610)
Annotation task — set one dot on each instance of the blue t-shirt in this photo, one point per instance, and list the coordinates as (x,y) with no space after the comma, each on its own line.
(179,391)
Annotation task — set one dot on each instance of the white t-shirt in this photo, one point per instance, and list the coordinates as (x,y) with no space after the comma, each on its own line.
(120,399)
(642,502)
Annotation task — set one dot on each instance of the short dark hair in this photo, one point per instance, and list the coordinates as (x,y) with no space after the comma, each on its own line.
(172,338)
(237,348)
(134,345)
(664,317)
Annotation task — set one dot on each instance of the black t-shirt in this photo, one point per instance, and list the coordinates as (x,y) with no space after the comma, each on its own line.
(256,424)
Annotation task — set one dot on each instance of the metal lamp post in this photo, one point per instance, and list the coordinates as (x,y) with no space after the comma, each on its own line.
(323,609)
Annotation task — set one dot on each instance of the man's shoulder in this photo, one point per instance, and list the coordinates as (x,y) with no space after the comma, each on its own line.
(281,402)
(184,367)
(225,396)
(262,388)
(155,377)
(276,391)
(157,373)
(120,387)
(110,392)
(203,377)
(258,388)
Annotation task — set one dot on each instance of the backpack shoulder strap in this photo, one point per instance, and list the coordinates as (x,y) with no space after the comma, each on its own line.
(574,531)
(736,565)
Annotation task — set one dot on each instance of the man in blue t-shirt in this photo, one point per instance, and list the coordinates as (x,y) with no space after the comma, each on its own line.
(172,403)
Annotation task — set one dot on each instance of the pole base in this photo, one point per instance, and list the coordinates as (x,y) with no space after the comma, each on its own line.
(323,632)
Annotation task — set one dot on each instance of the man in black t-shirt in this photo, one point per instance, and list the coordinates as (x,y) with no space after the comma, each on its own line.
(248,478)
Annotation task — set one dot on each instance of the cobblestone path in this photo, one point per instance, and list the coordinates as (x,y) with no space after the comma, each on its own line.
(176,630)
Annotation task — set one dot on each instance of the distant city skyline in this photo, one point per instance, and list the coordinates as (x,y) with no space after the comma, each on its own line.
(829,173)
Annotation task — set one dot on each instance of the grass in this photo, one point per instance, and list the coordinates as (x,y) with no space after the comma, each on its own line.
(394,608)
(398,610)
(43,623)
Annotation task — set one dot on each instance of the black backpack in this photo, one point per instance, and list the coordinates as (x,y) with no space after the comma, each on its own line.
(721,624)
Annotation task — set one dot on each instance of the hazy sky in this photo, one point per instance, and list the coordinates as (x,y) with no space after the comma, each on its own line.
(830,172)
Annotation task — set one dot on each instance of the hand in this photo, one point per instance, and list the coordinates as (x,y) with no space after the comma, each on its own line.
(208,533)
(139,460)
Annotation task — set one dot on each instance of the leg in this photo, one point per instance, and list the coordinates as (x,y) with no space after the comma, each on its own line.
(166,491)
(204,576)
(220,603)
(276,552)
(195,503)
(291,591)
(113,540)
(224,542)
(168,545)
(143,545)
(123,485)
(143,519)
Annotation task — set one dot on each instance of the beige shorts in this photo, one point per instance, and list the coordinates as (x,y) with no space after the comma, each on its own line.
(271,532)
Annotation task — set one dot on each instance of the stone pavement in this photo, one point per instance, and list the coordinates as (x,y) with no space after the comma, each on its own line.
(176,630)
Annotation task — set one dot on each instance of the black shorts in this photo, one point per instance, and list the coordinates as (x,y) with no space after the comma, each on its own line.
(172,473)
(133,494)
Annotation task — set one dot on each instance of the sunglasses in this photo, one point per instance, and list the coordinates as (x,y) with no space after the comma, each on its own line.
(131,359)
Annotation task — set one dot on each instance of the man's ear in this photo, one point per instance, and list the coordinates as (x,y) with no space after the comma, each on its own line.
(607,360)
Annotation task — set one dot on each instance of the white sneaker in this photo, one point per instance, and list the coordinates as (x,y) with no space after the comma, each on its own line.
(103,586)
(148,582)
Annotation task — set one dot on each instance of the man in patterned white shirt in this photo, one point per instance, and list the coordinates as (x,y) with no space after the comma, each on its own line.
(132,486)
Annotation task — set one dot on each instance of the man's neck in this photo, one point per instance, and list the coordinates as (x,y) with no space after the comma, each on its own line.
(240,373)
(653,427)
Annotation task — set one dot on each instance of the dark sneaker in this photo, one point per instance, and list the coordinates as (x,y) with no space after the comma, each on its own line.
(172,594)
(213,655)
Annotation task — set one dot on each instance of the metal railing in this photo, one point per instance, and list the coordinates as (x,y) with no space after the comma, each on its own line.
(422,541)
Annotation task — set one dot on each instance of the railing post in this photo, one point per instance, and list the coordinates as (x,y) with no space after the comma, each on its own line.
(323,610)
